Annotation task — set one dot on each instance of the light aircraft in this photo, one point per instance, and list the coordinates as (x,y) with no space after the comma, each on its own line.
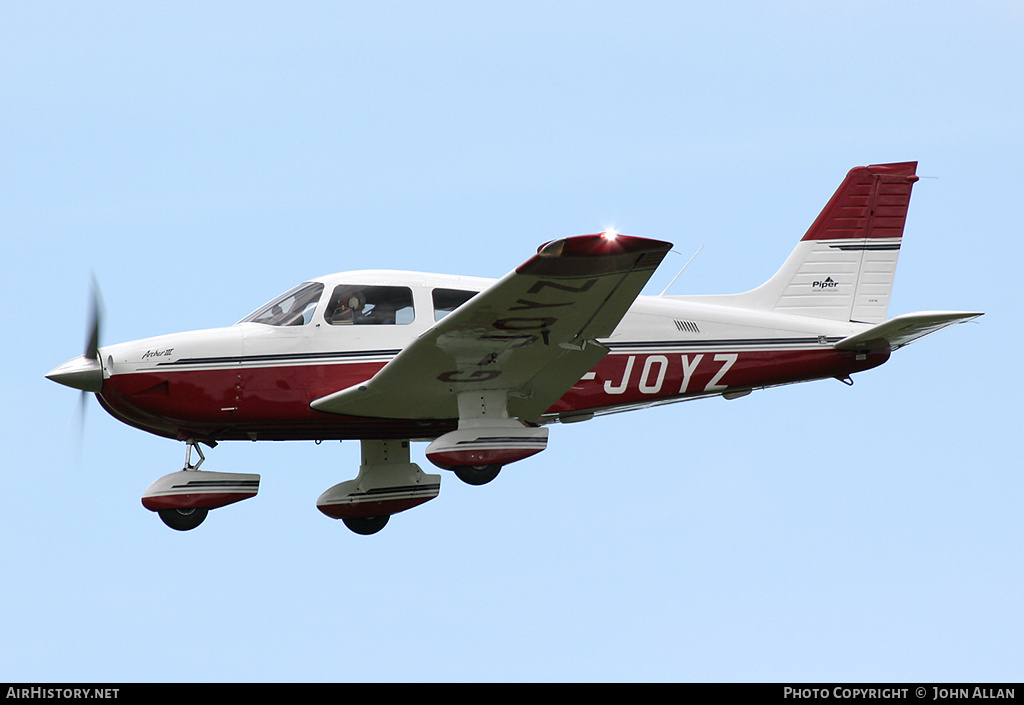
(482,368)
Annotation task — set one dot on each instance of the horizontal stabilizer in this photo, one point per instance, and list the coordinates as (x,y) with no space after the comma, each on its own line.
(901,330)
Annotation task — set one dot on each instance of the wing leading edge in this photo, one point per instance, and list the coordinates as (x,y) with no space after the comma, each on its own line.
(530,336)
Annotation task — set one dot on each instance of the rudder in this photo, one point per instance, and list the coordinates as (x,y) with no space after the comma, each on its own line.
(844,266)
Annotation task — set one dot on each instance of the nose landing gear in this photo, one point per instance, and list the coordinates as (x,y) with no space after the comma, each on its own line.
(183,499)
(183,519)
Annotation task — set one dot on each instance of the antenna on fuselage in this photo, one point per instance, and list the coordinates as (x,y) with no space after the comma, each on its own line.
(681,271)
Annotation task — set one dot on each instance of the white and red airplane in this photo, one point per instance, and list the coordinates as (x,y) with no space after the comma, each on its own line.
(481,368)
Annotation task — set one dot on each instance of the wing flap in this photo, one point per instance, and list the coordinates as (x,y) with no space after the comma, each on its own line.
(903,330)
(533,334)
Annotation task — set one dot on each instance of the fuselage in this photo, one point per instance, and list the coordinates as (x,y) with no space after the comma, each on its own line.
(255,380)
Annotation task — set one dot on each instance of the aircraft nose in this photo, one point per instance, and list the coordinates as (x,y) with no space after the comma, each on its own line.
(82,372)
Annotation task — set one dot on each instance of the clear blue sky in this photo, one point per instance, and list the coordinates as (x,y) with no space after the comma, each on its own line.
(201,158)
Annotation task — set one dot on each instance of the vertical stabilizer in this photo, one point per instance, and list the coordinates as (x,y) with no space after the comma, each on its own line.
(843,268)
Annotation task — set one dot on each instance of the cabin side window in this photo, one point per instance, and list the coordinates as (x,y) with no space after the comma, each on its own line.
(354,304)
(447,300)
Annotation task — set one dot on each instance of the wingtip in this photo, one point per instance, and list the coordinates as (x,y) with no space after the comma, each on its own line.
(601,244)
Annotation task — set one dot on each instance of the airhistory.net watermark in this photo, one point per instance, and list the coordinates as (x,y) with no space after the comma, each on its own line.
(50,693)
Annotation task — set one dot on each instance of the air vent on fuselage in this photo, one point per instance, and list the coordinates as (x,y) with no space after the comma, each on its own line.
(687,326)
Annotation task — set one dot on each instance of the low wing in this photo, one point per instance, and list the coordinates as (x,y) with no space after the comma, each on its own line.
(905,329)
(532,335)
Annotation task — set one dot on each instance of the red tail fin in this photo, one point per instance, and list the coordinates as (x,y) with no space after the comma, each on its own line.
(843,268)
(871,202)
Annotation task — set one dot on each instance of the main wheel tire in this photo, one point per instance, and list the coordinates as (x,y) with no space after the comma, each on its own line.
(366,526)
(477,474)
(183,519)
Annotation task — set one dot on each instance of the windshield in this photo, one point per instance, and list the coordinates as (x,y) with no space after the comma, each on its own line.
(293,308)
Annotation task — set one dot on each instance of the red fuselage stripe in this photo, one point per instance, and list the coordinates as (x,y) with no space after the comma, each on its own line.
(273,402)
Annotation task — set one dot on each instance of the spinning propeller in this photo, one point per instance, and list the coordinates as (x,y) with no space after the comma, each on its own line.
(84,372)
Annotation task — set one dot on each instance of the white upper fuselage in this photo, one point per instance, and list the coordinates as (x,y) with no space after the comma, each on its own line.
(702,322)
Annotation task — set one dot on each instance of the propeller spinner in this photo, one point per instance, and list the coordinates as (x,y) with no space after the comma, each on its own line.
(84,372)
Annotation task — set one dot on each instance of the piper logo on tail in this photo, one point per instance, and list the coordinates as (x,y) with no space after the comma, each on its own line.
(829,283)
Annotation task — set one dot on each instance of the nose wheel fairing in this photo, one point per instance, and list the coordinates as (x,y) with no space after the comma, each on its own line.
(184,498)
(194,489)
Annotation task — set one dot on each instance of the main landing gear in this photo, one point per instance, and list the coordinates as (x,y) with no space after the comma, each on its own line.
(387,483)
(366,526)
(486,439)
(477,474)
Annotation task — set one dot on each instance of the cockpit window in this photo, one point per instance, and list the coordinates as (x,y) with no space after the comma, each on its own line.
(352,304)
(447,300)
(293,308)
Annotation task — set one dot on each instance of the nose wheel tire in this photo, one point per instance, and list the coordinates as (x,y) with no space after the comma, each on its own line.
(477,474)
(183,519)
(366,525)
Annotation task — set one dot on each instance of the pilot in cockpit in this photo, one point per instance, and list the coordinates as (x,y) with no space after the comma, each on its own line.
(346,310)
